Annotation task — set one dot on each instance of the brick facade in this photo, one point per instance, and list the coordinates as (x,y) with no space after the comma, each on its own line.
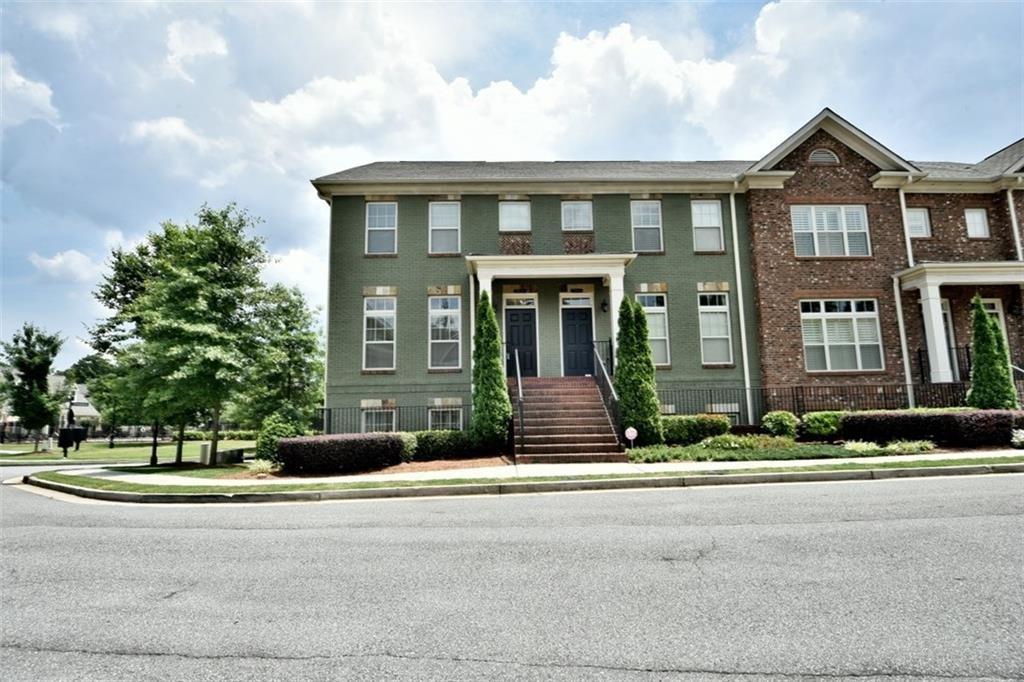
(949,240)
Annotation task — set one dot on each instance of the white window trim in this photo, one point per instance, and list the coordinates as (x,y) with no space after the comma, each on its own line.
(661,227)
(390,410)
(721,225)
(431,228)
(590,204)
(927,222)
(529,217)
(997,309)
(984,215)
(854,315)
(430,342)
(394,343)
(366,231)
(430,417)
(842,221)
(668,330)
(728,326)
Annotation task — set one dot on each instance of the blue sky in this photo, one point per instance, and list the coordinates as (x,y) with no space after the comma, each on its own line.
(119,116)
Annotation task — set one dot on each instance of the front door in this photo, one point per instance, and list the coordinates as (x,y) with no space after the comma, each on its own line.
(577,342)
(521,335)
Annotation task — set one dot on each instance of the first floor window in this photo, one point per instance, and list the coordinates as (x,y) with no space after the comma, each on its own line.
(446,419)
(445,219)
(841,335)
(715,329)
(656,309)
(445,332)
(378,420)
(382,227)
(830,230)
(707,225)
(577,216)
(646,220)
(918,222)
(514,216)
(977,223)
(379,332)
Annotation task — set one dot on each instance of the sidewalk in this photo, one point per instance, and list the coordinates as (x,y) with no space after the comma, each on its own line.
(512,472)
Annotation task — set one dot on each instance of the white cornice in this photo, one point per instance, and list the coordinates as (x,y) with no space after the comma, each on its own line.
(963,273)
(574,265)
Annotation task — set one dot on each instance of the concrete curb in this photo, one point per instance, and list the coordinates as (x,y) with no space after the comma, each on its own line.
(512,488)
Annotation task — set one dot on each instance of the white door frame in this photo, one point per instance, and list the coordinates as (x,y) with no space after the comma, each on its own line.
(947,320)
(536,321)
(589,295)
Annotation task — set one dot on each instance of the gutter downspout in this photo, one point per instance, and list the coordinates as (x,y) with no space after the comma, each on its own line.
(1014,224)
(908,380)
(739,302)
(906,229)
(472,322)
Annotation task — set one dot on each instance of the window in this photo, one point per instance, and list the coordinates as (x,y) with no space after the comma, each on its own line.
(707,226)
(379,332)
(444,226)
(445,313)
(513,216)
(378,420)
(715,329)
(577,216)
(823,157)
(977,223)
(918,222)
(646,218)
(382,227)
(656,308)
(841,335)
(830,231)
(445,419)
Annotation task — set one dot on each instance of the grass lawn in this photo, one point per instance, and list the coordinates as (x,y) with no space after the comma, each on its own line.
(696,453)
(120,486)
(93,451)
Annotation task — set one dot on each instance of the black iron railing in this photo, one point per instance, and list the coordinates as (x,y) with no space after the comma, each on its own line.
(608,395)
(606,353)
(404,418)
(960,364)
(519,408)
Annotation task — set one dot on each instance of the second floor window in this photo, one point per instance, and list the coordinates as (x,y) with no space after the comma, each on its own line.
(577,216)
(379,332)
(918,223)
(841,335)
(656,309)
(829,231)
(707,226)
(977,223)
(445,332)
(514,216)
(382,227)
(646,219)
(444,226)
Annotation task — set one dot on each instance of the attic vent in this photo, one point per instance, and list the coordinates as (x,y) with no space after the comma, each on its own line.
(824,157)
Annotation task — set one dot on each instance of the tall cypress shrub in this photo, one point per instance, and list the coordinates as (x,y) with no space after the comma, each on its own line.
(634,376)
(491,406)
(991,380)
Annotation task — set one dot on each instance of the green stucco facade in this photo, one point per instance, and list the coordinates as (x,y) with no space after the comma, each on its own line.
(412,271)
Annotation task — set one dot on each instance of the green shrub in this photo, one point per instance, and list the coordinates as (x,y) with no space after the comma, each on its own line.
(958,429)
(262,466)
(780,423)
(693,428)
(821,425)
(192,435)
(492,408)
(639,406)
(434,445)
(992,385)
(1017,438)
(410,443)
(731,441)
(340,454)
(862,447)
(908,447)
(274,428)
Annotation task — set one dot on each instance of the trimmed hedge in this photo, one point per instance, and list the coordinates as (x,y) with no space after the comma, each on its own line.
(431,445)
(246,434)
(340,454)
(780,423)
(981,427)
(814,425)
(688,429)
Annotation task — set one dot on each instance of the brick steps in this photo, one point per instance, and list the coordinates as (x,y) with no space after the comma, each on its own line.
(571,458)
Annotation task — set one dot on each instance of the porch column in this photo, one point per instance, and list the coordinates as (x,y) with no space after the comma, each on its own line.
(935,334)
(485,285)
(615,294)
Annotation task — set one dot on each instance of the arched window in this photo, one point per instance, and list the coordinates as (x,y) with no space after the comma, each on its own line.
(824,157)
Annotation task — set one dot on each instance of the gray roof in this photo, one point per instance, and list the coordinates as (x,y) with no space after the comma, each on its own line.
(536,171)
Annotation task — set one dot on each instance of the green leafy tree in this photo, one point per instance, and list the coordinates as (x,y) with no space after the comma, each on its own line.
(991,380)
(286,374)
(634,376)
(88,368)
(27,359)
(119,289)
(491,405)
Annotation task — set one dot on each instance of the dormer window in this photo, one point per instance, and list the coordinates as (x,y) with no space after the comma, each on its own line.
(824,157)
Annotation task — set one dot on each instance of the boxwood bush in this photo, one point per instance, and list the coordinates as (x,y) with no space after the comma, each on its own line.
(693,428)
(780,423)
(431,445)
(821,425)
(963,429)
(347,453)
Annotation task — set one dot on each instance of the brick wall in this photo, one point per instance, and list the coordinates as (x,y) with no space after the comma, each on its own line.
(949,240)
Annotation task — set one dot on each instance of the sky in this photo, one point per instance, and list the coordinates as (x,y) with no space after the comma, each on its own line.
(119,116)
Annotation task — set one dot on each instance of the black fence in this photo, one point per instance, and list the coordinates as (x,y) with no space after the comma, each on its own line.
(960,364)
(401,418)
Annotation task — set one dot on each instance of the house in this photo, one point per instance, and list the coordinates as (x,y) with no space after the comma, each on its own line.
(832,266)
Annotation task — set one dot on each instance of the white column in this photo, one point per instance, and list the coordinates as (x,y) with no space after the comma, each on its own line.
(615,294)
(935,334)
(485,285)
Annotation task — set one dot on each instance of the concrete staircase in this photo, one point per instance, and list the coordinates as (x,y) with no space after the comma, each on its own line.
(565,421)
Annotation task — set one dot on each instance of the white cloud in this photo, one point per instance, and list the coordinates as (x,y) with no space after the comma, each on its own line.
(188,40)
(71,265)
(72,27)
(23,99)
(303,269)
(174,131)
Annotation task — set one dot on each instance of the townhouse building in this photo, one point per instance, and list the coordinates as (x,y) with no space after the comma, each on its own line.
(831,264)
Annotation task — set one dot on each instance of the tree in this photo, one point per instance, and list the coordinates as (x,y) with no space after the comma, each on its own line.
(28,359)
(991,380)
(88,369)
(119,290)
(634,376)
(286,374)
(491,405)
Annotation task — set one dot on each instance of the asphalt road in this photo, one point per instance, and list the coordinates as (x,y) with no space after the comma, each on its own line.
(919,579)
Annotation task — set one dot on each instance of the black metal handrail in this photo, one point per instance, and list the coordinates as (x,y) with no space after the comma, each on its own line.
(605,350)
(608,395)
(962,356)
(519,407)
